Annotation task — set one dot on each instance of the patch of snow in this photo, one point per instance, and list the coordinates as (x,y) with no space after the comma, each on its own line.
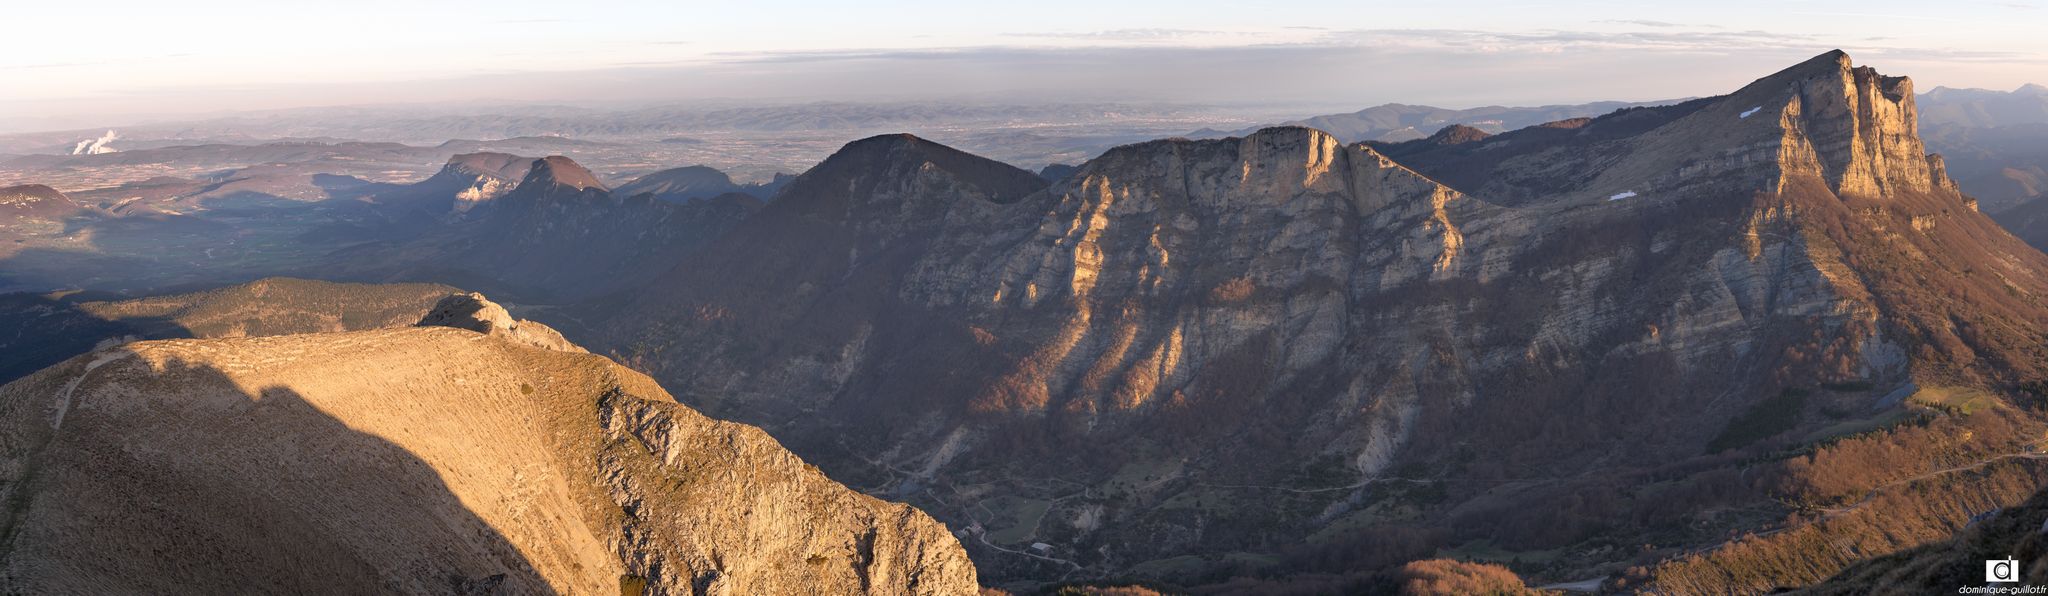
(1622,195)
(1748,112)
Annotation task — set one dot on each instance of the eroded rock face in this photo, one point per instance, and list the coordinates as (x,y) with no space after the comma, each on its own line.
(423,460)
(1223,346)
(1862,129)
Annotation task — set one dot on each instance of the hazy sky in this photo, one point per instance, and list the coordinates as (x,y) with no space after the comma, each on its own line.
(75,62)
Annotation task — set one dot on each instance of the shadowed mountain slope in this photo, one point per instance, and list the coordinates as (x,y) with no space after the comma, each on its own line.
(557,235)
(421,460)
(49,329)
(691,183)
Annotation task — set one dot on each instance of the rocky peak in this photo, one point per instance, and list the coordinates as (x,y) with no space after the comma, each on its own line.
(895,179)
(472,180)
(559,171)
(473,312)
(1858,130)
(1848,128)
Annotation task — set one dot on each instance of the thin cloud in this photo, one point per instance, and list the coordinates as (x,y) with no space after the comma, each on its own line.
(1717,42)
(1148,34)
(1397,40)
(49,65)
(1948,55)
(1890,16)
(1641,23)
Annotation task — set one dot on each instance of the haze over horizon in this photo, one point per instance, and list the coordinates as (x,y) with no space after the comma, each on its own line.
(220,56)
(912,298)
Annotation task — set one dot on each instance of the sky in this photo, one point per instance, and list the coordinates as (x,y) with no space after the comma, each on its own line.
(88,63)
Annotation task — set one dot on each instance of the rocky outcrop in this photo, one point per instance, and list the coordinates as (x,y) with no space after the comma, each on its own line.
(562,172)
(1857,129)
(479,178)
(465,188)
(420,460)
(471,311)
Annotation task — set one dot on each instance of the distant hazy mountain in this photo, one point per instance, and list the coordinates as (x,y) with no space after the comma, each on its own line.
(1944,106)
(1996,144)
(425,125)
(556,233)
(2003,166)
(1401,122)
(696,182)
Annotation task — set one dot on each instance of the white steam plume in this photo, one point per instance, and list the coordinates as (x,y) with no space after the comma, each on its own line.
(96,146)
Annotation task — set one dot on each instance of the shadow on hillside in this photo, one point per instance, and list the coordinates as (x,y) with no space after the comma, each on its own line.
(196,486)
(49,330)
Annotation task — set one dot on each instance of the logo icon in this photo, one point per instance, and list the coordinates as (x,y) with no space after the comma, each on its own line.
(2001,570)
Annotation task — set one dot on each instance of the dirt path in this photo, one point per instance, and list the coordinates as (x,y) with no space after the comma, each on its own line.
(64,398)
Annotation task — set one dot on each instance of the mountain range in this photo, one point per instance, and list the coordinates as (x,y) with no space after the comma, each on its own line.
(1730,344)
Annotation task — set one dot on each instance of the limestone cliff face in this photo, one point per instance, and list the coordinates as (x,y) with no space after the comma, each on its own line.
(1231,312)
(1859,128)
(1855,129)
(1223,242)
(479,178)
(427,460)
(465,188)
(1223,346)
